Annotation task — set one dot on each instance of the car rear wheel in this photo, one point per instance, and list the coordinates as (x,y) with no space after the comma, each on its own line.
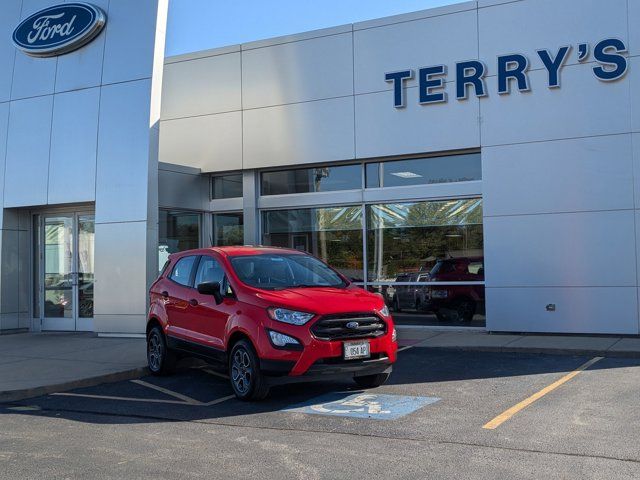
(247,382)
(372,381)
(160,359)
(465,309)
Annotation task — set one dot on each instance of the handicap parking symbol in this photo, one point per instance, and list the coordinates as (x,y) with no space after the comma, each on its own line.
(363,405)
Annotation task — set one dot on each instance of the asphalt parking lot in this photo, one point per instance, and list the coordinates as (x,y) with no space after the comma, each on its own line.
(443,414)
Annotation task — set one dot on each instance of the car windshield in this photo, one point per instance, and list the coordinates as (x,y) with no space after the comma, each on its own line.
(280,271)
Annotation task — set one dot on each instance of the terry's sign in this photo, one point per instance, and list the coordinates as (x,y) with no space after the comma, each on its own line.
(608,56)
(59,29)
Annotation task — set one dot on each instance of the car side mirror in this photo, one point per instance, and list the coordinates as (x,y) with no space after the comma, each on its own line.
(211,288)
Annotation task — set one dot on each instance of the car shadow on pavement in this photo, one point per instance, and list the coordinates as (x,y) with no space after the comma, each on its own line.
(193,394)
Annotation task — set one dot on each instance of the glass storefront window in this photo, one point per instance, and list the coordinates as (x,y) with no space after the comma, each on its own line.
(424,171)
(333,234)
(305,180)
(408,238)
(228,229)
(425,244)
(178,231)
(226,186)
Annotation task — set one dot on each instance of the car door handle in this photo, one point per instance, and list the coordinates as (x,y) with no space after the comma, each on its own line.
(193,302)
(165,294)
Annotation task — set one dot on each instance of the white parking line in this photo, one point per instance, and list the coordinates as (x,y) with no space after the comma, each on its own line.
(407,347)
(108,397)
(184,398)
(219,400)
(215,374)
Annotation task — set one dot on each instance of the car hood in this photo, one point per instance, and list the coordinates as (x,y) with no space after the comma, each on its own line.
(324,300)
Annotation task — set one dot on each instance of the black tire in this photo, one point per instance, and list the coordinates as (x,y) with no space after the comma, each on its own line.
(396,304)
(160,359)
(372,381)
(466,309)
(441,316)
(247,381)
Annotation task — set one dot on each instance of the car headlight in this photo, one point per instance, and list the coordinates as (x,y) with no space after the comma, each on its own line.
(394,335)
(384,311)
(290,316)
(282,340)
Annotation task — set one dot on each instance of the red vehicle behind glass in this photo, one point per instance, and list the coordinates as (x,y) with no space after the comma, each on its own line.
(271,315)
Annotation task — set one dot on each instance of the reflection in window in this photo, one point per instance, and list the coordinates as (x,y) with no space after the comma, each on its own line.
(178,231)
(424,171)
(305,180)
(228,229)
(410,238)
(227,186)
(332,234)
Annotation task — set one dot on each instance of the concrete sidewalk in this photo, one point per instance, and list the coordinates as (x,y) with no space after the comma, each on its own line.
(33,364)
(608,346)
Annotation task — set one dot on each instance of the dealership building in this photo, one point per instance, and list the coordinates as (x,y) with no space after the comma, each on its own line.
(477,164)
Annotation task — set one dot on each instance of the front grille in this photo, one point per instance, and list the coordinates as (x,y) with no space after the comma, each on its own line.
(334,327)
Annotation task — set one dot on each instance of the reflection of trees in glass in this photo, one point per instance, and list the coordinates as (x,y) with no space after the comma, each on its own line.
(333,234)
(410,237)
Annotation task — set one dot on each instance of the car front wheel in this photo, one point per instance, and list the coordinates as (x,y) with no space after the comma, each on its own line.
(247,381)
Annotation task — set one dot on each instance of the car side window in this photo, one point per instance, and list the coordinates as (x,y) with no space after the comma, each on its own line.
(181,273)
(209,270)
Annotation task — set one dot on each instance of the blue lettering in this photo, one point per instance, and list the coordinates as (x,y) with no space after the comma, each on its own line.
(553,66)
(609,53)
(398,79)
(470,73)
(428,84)
(512,67)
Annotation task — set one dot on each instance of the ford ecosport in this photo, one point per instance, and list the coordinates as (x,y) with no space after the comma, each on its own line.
(271,316)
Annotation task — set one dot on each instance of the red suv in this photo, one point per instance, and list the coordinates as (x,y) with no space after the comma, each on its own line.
(270,315)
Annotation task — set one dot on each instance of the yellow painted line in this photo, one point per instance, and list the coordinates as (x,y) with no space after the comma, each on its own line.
(507,414)
(184,398)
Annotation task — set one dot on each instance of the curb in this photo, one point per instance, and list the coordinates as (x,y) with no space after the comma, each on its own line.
(543,351)
(15,395)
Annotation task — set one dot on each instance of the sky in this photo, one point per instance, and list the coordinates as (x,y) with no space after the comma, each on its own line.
(201,24)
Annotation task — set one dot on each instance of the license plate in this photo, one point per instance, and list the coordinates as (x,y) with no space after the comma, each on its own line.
(356,350)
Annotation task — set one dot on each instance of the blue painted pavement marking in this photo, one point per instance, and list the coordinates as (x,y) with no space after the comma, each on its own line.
(363,405)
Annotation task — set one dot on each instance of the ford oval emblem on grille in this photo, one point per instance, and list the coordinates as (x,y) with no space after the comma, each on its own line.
(352,325)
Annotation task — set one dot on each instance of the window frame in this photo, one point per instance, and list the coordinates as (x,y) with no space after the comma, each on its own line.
(191,273)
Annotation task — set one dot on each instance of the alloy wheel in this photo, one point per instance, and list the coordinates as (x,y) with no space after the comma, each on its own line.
(241,371)
(154,352)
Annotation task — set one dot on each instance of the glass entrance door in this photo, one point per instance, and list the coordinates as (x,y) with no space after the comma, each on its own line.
(66,250)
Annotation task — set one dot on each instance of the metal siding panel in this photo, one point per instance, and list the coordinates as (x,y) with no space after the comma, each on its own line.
(578,310)
(28,152)
(83,67)
(120,268)
(73,147)
(211,143)
(123,152)
(201,87)
(298,72)
(584,106)
(181,190)
(383,130)
(130,42)
(575,175)
(411,45)
(549,24)
(8,21)
(592,249)
(301,133)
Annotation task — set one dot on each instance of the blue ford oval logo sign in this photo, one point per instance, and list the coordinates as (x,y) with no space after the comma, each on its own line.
(353,325)
(59,29)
